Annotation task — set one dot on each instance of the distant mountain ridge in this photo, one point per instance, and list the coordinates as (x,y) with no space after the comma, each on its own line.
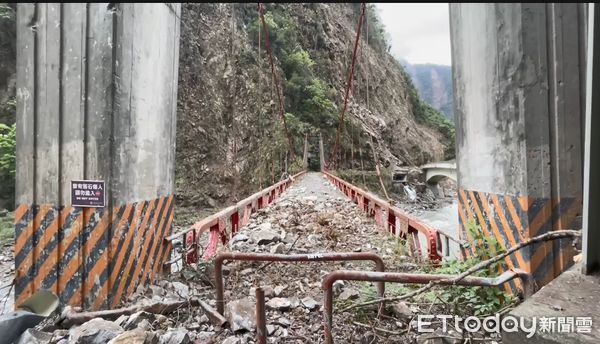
(434,83)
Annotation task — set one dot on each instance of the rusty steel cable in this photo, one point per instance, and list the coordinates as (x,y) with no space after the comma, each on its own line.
(262,167)
(348,85)
(276,81)
(378,170)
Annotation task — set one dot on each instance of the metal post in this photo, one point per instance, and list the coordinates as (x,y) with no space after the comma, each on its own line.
(261,322)
(591,181)
(267,257)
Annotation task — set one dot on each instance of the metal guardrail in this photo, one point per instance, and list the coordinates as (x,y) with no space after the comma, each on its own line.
(216,224)
(397,222)
(347,275)
(284,258)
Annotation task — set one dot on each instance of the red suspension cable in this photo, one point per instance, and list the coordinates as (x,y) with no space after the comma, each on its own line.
(276,82)
(348,85)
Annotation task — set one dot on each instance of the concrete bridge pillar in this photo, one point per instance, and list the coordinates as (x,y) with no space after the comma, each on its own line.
(519,103)
(435,188)
(96,92)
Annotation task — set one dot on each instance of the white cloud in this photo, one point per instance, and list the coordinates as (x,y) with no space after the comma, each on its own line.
(419,33)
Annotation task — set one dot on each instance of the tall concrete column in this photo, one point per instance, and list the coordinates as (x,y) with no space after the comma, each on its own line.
(591,221)
(519,103)
(96,93)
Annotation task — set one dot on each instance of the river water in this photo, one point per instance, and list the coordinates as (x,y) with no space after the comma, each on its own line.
(444,218)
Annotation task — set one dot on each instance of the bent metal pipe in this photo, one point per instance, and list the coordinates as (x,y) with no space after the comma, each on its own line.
(284,258)
(348,275)
(261,322)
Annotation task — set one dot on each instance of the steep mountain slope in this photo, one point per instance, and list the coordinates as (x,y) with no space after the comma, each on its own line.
(434,83)
(229,138)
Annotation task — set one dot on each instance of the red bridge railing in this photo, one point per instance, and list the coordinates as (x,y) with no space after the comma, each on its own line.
(223,225)
(396,221)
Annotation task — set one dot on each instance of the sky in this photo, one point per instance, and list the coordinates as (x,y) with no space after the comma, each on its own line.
(418,33)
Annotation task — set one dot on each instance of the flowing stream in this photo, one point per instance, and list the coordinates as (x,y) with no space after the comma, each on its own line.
(444,218)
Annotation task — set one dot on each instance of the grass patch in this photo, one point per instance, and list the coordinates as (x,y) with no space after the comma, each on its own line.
(7,228)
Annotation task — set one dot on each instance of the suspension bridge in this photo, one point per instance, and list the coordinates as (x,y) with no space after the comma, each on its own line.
(89,111)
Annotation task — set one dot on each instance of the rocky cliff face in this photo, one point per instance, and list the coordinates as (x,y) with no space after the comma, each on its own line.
(434,83)
(229,138)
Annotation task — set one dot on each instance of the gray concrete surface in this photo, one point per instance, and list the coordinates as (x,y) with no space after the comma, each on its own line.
(591,200)
(96,94)
(436,171)
(518,97)
(570,295)
(518,85)
(96,100)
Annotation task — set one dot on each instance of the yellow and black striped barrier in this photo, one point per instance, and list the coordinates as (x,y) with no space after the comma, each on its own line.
(512,220)
(90,257)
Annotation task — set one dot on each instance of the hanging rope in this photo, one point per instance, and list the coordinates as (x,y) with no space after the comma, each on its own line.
(378,170)
(276,82)
(348,85)
(262,164)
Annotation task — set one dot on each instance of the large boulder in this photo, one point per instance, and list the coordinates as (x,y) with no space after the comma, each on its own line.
(279,303)
(95,331)
(241,315)
(137,336)
(176,336)
(264,236)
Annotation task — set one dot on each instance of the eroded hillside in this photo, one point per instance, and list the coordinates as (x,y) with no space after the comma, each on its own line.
(229,139)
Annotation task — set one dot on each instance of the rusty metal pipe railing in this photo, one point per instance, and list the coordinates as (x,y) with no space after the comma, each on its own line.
(284,258)
(347,275)
(261,320)
(376,207)
(216,222)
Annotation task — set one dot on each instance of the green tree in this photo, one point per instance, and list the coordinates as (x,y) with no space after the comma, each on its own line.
(7,161)
(376,29)
(319,105)
(6,12)
(298,62)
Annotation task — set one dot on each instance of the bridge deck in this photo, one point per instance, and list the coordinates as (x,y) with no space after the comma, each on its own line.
(312,216)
